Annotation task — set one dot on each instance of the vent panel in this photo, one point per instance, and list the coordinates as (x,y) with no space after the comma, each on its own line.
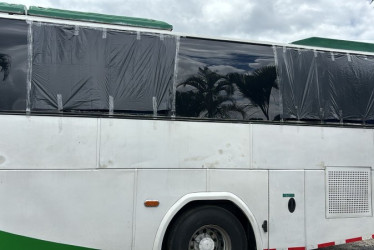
(348,192)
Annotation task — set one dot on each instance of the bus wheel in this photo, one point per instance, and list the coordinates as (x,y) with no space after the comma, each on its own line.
(207,228)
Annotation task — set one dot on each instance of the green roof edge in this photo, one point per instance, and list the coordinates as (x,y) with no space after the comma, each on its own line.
(98,18)
(13,8)
(336,44)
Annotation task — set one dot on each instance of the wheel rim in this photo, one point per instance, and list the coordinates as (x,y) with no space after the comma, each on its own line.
(210,237)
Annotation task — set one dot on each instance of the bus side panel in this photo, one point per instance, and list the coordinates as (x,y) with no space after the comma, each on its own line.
(310,147)
(173,144)
(82,208)
(251,186)
(38,142)
(319,229)
(167,186)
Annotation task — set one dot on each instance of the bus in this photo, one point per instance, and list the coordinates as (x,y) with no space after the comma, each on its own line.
(117,133)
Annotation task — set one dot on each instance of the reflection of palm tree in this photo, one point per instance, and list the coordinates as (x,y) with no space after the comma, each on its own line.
(189,104)
(257,86)
(5,63)
(210,92)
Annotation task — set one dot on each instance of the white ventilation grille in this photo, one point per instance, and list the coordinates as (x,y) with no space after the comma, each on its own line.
(348,192)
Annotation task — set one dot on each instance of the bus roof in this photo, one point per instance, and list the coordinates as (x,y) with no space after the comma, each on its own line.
(336,44)
(84,16)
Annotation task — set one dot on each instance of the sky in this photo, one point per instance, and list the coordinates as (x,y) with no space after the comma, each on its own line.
(280,21)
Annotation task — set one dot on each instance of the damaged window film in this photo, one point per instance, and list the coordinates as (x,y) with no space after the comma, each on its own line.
(348,87)
(96,70)
(70,63)
(141,71)
(326,86)
(226,80)
(299,84)
(13,64)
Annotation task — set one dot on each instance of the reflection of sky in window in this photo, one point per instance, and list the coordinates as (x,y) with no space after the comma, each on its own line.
(226,57)
(14,45)
(221,57)
(13,33)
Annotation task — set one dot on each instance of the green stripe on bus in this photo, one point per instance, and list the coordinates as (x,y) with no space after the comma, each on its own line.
(10,241)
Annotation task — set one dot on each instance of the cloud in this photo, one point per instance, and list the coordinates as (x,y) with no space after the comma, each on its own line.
(266,20)
(225,69)
(261,62)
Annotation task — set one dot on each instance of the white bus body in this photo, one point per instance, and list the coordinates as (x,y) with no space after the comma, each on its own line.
(84,180)
(62,181)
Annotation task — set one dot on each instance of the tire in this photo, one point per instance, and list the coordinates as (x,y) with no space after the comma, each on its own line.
(207,228)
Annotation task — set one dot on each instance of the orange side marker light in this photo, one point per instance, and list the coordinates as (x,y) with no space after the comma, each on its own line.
(151,203)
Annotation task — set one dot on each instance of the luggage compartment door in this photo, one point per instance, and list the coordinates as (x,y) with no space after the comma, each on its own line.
(286,209)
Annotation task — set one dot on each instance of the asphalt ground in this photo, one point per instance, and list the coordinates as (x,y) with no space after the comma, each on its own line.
(361,245)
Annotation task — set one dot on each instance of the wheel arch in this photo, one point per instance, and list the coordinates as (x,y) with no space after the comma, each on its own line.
(206,197)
